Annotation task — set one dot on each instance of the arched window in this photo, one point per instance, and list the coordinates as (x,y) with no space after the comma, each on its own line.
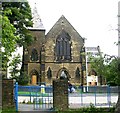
(77,73)
(92,72)
(34,55)
(49,73)
(63,47)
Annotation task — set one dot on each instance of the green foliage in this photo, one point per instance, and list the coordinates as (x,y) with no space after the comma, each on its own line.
(91,109)
(15,19)
(23,79)
(97,63)
(8,37)
(15,66)
(9,110)
(107,66)
(21,18)
(113,73)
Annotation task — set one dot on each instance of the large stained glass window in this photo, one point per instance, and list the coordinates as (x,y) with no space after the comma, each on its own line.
(63,47)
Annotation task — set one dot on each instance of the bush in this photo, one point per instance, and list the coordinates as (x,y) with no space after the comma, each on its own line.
(91,109)
(23,79)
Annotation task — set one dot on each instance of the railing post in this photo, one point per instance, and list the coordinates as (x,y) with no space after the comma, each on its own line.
(95,94)
(30,89)
(108,96)
(81,96)
(16,96)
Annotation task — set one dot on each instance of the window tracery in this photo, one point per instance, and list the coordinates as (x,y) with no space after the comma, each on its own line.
(63,47)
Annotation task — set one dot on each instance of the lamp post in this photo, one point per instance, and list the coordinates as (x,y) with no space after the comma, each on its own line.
(82,64)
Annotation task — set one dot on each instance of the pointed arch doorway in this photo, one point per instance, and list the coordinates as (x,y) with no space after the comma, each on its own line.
(34,77)
(63,72)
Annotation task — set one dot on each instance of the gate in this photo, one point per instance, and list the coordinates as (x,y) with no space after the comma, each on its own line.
(38,97)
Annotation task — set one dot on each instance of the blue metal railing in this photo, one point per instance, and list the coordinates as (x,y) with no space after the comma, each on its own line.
(32,90)
(42,96)
(16,95)
(97,95)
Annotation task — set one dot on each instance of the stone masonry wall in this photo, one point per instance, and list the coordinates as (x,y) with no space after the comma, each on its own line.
(60,94)
(8,94)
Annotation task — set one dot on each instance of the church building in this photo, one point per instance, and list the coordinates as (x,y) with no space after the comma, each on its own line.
(57,53)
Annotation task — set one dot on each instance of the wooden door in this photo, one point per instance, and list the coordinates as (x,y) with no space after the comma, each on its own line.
(34,79)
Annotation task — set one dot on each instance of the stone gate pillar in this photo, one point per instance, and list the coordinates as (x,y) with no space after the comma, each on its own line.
(8,94)
(60,94)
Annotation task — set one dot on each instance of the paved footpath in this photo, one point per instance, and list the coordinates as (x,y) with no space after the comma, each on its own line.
(74,102)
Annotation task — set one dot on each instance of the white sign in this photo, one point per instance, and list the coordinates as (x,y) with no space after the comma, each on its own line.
(92,78)
(91,49)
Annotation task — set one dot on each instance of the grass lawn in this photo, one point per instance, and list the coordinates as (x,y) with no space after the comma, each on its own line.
(89,110)
(81,110)
(24,93)
(8,110)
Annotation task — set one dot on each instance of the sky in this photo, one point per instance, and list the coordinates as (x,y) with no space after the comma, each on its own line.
(95,20)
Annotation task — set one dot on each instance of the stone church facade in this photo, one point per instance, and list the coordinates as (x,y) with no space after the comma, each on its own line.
(55,53)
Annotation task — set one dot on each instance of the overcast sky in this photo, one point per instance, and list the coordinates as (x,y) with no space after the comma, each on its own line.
(95,20)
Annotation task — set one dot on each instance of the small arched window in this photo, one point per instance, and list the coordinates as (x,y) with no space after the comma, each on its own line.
(77,72)
(49,73)
(34,55)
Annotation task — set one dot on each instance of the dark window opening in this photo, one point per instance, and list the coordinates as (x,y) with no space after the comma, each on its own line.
(49,73)
(77,73)
(34,55)
(63,47)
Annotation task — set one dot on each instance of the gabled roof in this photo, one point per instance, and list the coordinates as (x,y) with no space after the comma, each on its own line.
(62,24)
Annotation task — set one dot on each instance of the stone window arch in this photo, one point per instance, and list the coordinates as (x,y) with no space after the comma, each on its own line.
(63,46)
(34,55)
(49,73)
(77,73)
(92,72)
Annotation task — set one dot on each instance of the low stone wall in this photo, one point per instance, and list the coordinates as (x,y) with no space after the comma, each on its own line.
(8,94)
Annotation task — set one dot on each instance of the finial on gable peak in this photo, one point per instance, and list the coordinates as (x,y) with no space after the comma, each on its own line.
(63,16)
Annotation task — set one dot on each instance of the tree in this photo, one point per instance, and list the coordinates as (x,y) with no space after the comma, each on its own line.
(23,79)
(106,66)
(117,109)
(15,21)
(112,74)
(15,66)
(8,38)
(111,70)
(97,64)
(21,19)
